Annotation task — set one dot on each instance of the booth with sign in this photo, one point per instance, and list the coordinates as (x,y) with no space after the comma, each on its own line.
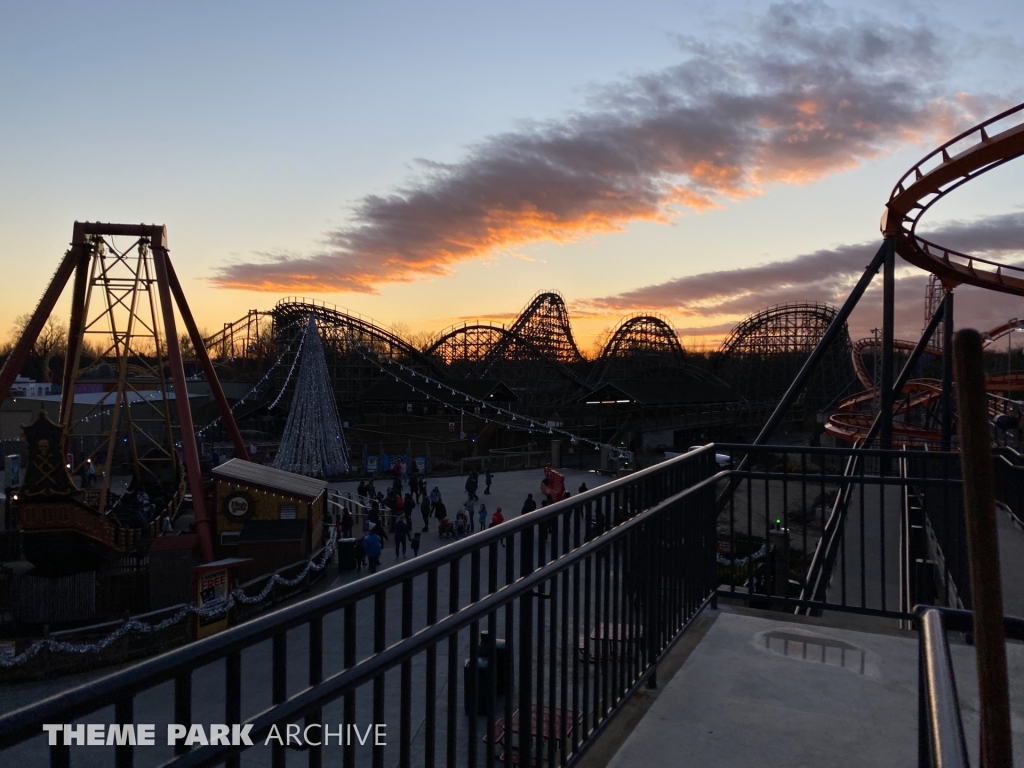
(273,504)
(211,586)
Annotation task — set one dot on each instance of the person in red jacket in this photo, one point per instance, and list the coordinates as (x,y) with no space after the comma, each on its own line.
(497,518)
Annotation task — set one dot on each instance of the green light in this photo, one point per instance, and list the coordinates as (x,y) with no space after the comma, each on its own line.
(778,521)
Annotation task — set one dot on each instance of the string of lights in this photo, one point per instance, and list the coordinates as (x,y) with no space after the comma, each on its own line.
(517,419)
(134,626)
(288,378)
(312,443)
(259,383)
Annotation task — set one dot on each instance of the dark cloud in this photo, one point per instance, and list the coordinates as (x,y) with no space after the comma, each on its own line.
(829,274)
(805,93)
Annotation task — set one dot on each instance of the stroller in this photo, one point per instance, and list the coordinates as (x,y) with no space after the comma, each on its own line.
(445,529)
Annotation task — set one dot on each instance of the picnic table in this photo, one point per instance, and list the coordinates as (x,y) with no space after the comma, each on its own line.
(608,641)
(561,720)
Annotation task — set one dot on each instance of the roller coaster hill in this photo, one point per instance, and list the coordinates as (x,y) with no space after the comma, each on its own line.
(483,389)
(480,387)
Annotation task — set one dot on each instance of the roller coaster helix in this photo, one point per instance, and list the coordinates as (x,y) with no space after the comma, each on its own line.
(917,411)
(974,152)
(922,410)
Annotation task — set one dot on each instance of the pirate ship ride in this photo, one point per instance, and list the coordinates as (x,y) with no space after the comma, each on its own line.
(121,459)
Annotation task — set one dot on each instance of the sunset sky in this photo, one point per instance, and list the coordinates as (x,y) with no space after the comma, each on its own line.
(424,164)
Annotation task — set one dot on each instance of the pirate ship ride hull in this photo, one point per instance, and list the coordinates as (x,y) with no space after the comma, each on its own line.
(63,552)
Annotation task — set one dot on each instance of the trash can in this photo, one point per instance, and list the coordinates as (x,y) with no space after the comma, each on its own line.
(346,554)
(483,686)
(502,659)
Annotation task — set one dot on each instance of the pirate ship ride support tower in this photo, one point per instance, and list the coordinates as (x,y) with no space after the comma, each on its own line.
(126,293)
(188,432)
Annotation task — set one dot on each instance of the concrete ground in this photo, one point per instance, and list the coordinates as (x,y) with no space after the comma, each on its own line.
(760,691)
(1011,561)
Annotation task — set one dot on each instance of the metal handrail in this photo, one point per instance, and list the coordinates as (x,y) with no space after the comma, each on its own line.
(941,741)
(116,688)
(364,672)
(940,730)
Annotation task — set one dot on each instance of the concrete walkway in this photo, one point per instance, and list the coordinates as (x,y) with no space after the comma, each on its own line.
(1011,560)
(757,691)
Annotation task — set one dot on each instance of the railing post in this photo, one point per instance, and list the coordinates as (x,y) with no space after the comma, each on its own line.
(651,629)
(525,648)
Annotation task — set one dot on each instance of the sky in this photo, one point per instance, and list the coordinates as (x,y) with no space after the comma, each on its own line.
(425,165)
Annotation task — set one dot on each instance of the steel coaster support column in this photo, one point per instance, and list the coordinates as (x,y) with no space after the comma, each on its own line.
(16,360)
(76,330)
(947,372)
(888,333)
(906,372)
(823,560)
(887,250)
(188,434)
(204,360)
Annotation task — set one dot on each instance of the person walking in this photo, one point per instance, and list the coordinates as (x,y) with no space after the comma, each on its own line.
(408,508)
(440,511)
(435,495)
(472,483)
(360,555)
(373,547)
(460,524)
(425,512)
(415,544)
(469,507)
(347,522)
(497,519)
(529,505)
(373,521)
(401,534)
(482,516)
(488,479)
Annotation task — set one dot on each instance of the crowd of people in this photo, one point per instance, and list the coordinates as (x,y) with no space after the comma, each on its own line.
(393,512)
(389,516)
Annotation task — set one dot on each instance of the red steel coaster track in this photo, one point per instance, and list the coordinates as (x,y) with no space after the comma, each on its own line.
(974,152)
(934,177)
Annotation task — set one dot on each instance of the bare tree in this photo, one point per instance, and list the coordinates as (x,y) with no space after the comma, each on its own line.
(52,339)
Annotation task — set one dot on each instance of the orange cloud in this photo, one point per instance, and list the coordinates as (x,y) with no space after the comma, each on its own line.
(808,94)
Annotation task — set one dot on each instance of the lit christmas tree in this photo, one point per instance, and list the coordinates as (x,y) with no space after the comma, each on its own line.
(313,443)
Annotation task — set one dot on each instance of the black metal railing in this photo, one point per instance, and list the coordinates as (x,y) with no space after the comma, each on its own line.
(816,528)
(941,742)
(538,629)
